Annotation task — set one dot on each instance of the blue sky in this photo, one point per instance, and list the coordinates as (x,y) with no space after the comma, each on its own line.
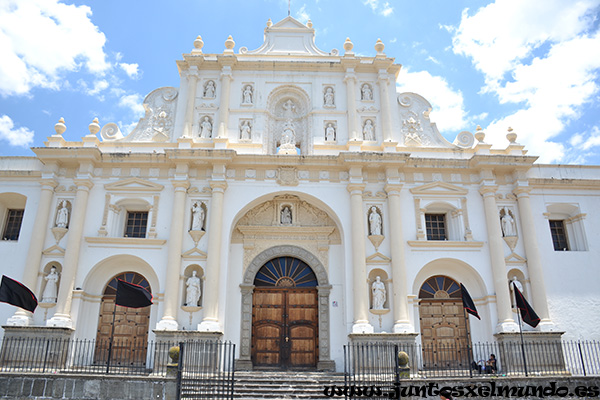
(529,64)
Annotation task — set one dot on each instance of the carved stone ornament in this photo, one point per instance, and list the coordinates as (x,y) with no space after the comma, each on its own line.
(288,176)
(157,123)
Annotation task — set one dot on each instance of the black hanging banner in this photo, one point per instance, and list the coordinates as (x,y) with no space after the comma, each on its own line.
(527,314)
(17,294)
(468,304)
(131,295)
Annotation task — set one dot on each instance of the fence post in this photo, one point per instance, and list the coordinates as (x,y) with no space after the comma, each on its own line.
(581,357)
(180,368)
(46,355)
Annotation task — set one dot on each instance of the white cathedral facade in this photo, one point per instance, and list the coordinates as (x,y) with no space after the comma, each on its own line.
(291,200)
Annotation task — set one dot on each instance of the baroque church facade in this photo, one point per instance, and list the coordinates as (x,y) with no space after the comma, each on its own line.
(291,200)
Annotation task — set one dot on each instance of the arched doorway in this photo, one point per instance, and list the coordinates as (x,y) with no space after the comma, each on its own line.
(130,338)
(443,324)
(285,315)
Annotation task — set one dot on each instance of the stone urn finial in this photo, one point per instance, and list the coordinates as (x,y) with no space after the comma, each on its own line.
(511,136)
(94,127)
(479,134)
(403,368)
(269,23)
(309,24)
(174,354)
(229,43)
(198,44)
(379,46)
(60,126)
(348,45)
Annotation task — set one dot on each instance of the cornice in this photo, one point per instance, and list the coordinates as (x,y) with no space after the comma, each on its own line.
(444,244)
(125,241)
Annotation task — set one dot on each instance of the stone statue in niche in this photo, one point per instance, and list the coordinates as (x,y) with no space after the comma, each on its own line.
(51,289)
(366,92)
(374,222)
(197,217)
(245,131)
(379,294)
(193,291)
(368,131)
(62,217)
(247,95)
(286,215)
(206,126)
(508,224)
(329,97)
(518,284)
(330,133)
(288,137)
(209,90)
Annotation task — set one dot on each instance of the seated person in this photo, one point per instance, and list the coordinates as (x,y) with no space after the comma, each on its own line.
(490,365)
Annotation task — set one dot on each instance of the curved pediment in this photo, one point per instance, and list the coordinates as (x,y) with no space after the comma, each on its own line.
(288,37)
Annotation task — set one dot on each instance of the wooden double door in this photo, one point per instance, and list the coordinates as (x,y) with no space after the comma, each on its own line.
(285,327)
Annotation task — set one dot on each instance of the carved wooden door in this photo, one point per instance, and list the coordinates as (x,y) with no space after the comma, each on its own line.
(285,328)
(130,339)
(443,325)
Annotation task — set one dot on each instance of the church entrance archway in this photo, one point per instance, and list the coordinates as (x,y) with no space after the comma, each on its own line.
(443,324)
(285,326)
(130,338)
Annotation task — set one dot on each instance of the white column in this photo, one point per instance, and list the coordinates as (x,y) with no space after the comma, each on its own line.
(361,287)
(226,77)
(534,262)
(402,322)
(168,322)
(506,322)
(36,246)
(192,77)
(210,323)
(62,315)
(386,119)
(350,80)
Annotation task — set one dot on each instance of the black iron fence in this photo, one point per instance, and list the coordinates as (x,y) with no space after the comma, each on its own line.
(378,363)
(206,370)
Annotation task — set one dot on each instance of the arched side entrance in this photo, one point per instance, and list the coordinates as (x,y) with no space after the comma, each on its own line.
(323,289)
(443,324)
(130,338)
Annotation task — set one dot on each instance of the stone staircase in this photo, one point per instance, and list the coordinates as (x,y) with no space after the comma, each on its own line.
(284,384)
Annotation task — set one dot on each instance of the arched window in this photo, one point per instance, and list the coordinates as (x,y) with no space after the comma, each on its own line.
(285,272)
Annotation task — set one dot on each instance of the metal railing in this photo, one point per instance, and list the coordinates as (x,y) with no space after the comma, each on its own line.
(377,363)
(206,370)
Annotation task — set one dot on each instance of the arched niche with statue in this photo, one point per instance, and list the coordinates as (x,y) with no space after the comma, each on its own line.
(288,123)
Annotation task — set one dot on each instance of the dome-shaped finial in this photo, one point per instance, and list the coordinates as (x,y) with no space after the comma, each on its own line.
(269,23)
(229,43)
(379,46)
(348,45)
(511,136)
(309,24)
(94,127)
(60,126)
(198,44)
(479,134)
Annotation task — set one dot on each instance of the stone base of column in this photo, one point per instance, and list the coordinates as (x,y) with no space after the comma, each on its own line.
(363,327)
(60,321)
(543,351)
(402,339)
(41,346)
(507,327)
(243,364)
(167,325)
(326,365)
(546,325)
(21,318)
(210,326)
(403,327)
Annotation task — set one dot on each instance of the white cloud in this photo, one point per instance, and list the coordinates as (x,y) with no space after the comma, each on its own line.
(384,9)
(99,86)
(448,105)
(134,103)
(302,15)
(132,70)
(538,56)
(40,39)
(21,137)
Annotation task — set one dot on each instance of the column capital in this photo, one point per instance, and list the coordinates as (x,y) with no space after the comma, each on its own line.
(353,187)
(488,190)
(218,185)
(383,77)
(393,189)
(181,184)
(522,191)
(350,76)
(83,183)
(48,183)
(324,290)
(246,289)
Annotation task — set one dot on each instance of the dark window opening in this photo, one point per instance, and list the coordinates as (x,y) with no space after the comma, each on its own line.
(559,235)
(137,222)
(14,218)
(436,226)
